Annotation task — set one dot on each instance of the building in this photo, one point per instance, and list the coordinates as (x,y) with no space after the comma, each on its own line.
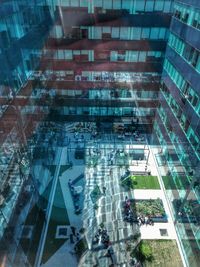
(177,125)
(105,62)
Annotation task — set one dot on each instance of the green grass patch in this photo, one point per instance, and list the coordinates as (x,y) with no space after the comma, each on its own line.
(141,182)
(164,253)
(59,216)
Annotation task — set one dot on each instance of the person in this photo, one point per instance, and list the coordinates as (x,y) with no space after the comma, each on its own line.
(104,190)
(146,220)
(77,236)
(72,189)
(71,238)
(70,182)
(128,204)
(73,230)
(104,232)
(97,238)
(142,220)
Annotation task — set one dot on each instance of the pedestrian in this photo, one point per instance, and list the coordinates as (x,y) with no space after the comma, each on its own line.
(104,190)
(146,220)
(73,230)
(97,238)
(77,236)
(70,182)
(71,238)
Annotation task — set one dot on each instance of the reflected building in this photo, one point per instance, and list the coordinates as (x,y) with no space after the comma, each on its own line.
(117,63)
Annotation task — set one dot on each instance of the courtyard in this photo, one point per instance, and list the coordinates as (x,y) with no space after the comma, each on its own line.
(92,177)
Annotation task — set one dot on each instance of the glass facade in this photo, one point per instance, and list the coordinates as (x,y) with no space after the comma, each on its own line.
(179,111)
(73,71)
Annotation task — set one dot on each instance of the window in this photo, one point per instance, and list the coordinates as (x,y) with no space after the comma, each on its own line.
(116,4)
(98,3)
(125,4)
(136,33)
(106,29)
(149,5)
(195,101)
(187,14)
(187,53)
(145,33)
(185,17)
(75,3)
(167,6)
(113,56)
(83,3)
(193,139)
(159,5)
(115,32)
(142,57)
(177,14)
(195,57)
(140,5)
(162,33)
(196,20)
(154,33)
(123,33)
(107,4)
(198,64)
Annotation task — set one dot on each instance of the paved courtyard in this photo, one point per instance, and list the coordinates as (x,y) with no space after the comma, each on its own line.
(106,161)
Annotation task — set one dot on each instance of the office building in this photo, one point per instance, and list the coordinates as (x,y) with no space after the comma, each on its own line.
(75,73)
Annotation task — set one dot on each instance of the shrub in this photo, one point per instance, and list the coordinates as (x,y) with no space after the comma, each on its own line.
(145,252)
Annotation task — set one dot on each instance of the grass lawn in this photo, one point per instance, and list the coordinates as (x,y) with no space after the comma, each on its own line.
(59,216)
(165,254)
(179,183)
(142,182)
